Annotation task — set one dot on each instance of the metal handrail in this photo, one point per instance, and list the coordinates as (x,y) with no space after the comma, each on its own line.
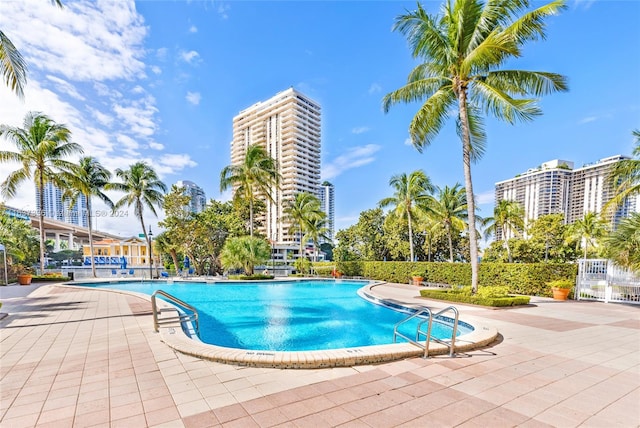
(427,334)
(181,318)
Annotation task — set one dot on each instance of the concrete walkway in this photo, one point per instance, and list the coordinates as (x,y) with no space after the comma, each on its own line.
(82,358)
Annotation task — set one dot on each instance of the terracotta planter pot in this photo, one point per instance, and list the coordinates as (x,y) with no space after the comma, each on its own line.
(417,280)
(24,279)
(560,293)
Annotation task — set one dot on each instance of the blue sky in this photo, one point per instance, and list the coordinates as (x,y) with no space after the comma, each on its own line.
(160,81)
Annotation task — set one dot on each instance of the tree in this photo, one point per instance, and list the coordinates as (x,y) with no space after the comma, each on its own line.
(625,177)
(316,229)
(588,230)
(449,208)
(175,223)
(256,176)
(89,178)
(245,252)
(301,212)
(462,51)
(42,147)
(549,234)
(19,238)
(142,187)
(13,67)
(623,244)
(411,192)
(508,216)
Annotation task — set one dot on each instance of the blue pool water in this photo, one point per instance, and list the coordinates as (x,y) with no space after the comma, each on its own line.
(287,315)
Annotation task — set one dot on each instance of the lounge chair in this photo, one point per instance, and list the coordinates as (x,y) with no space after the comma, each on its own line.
(114,272)
(164,274)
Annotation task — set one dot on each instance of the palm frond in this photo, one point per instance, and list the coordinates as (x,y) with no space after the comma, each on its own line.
(415,90)
(13,67)
(531,25)
(430,119)
(476,131)
(502,105)
(522,82)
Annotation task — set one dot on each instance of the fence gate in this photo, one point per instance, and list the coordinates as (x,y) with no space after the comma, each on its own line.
(600,279)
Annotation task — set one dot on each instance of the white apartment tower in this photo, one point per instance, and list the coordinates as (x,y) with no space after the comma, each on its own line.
(198,200)
(57,209)
(327,203)
(556,187)
(288,127)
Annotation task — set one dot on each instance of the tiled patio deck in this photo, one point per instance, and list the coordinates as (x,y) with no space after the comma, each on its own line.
(85,358)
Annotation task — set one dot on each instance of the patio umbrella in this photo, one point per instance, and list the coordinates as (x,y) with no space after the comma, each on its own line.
(123,262)
(186,262)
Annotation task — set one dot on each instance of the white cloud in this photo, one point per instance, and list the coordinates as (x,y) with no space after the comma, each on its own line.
(353,158)
(173,163)
(193,29)
(374,88)
(194,98)
(190,57)
(587,119)
(65,87)
(360,130)
(408,142)
(79,41)
(222,10)
(113,116)
(485,198)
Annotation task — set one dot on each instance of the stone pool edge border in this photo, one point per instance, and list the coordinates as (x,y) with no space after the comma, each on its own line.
(174,337)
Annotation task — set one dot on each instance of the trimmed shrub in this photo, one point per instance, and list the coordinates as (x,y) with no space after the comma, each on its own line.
(254,277)
(464,296)
(520,278)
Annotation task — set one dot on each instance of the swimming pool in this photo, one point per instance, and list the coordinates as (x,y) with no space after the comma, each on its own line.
(286,315)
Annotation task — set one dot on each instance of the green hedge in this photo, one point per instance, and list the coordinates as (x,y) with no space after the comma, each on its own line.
(49,278)
(520,278)
(455,296)
(254,277)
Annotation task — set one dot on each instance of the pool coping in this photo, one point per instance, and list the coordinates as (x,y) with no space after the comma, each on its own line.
(173,335)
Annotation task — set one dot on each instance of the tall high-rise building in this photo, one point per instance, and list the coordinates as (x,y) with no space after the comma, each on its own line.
(327,203)
(57,209)
(198,200)
(556,187)
(287,126)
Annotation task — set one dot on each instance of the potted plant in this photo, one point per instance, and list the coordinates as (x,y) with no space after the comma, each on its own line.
(560,288)
(24,275)
(417,277)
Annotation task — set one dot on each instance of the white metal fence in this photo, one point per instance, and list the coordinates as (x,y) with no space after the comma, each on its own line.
(600,279)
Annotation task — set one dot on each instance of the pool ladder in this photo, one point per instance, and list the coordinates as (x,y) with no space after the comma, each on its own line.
(182,316)
(427,334)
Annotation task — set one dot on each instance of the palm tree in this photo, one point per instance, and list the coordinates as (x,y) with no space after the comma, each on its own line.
(13,67)
(256,175)
(142,187)
(588,229)
(508,216)
(411,192)
(88,178)
(449,208)
(245,252)
(42,146)
(316,230)
(462,50)
(300,212)
(625,177)
(623,245)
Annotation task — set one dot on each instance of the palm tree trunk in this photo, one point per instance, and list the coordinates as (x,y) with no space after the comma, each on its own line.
(174,257)
(251,217)
(41,218)
(471,205)
(506,243)
(89,223)
(450,239)
(410,233)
